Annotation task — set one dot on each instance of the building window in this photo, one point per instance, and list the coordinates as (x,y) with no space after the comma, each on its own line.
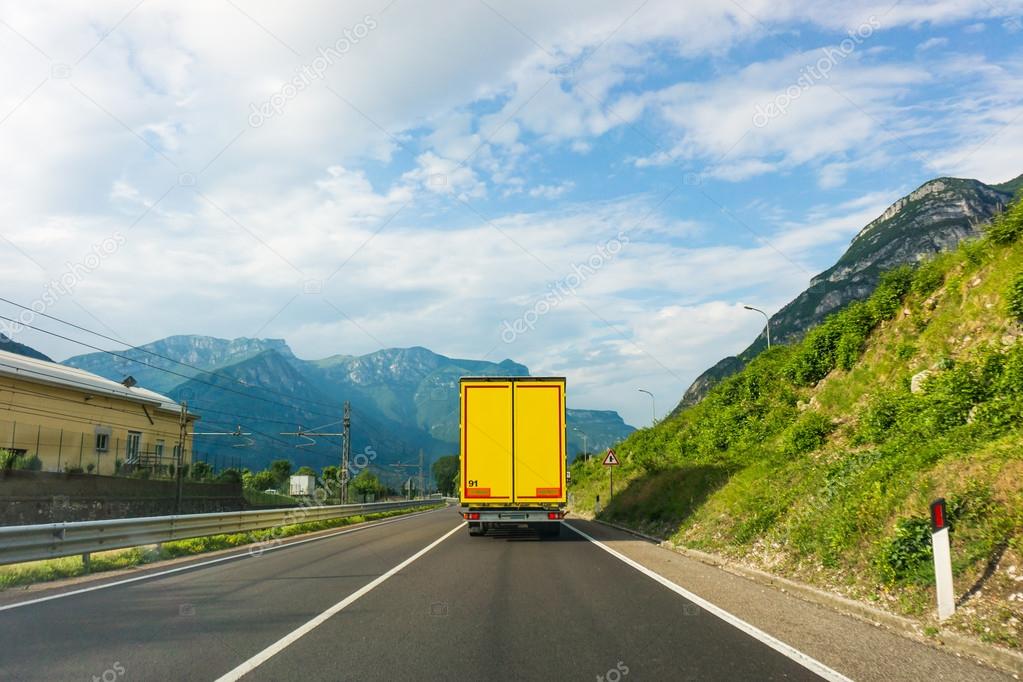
(102,442)
(134,441)
(158,449)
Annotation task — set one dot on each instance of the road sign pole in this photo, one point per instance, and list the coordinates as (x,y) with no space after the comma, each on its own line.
(942,560)
(611,461)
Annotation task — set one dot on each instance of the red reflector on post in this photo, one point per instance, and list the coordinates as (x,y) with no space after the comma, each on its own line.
(938,514)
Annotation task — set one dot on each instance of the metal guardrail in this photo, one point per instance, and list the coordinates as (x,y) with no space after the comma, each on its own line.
(52,540)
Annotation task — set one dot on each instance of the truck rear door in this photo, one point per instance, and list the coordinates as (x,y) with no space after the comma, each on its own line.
(486,441)
(539,441)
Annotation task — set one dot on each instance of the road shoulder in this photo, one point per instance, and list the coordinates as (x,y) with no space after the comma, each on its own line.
(852,646)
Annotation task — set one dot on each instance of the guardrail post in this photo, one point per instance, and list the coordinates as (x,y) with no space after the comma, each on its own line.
(87,562)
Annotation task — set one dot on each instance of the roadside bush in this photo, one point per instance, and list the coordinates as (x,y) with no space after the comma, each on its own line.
(12,460)
(1014,298)
(1007,227)
(928,276)
(840,339)
(892,287)
(229,476)
(807,433)
(906,555)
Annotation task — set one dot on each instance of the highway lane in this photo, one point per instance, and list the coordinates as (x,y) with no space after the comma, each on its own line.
(515,608)
(197,624)
(512,607)
(413,598)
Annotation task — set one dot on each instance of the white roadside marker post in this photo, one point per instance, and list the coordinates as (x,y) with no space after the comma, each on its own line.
(942,559)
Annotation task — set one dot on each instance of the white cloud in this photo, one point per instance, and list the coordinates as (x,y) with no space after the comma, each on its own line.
(360,168)
(932,43)
(552,191)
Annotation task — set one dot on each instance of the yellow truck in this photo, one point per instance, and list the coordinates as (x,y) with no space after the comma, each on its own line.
(513,464)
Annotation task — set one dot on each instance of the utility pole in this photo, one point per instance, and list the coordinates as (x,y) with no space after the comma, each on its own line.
(183,423)
(421,488)
(309,436)
(346,451)
(401,468)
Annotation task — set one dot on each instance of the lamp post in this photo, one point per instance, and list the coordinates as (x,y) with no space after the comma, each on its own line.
(586,447)
(749,307)
(653,406)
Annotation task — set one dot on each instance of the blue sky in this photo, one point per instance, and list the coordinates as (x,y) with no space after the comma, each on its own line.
(614,180)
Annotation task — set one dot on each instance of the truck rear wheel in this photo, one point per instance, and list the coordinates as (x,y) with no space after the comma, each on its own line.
(475,529)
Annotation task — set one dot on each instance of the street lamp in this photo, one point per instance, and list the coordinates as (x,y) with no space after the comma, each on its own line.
(749,307)
(653,405)
(586,448)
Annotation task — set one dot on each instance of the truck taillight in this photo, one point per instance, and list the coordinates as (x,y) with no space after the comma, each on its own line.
(555,515)
(472,516)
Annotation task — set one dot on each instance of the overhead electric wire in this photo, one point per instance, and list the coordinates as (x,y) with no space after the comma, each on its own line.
(149,352)
(43,412)
(161,369)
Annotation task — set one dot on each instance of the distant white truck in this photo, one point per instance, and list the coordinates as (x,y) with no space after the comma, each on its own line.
(302,486)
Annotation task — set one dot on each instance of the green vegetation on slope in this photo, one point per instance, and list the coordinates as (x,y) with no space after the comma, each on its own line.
(818,460)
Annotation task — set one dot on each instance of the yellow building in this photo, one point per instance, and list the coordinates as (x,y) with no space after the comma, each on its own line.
(73,419)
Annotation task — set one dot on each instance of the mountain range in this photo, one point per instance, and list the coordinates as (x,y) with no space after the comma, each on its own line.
(402,399)
(935,217)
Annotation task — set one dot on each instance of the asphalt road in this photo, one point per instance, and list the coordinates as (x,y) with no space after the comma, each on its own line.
(397,602)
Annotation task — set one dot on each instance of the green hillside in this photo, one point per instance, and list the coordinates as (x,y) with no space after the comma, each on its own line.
(818,460)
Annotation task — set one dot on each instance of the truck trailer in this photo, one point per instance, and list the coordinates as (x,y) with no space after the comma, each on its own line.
(513,445)
(302,485)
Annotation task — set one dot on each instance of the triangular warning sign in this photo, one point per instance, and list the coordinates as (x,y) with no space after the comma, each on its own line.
(611,460)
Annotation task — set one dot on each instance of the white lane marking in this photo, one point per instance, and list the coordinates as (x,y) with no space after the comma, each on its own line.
(292,637)
(781,647)
(240,555)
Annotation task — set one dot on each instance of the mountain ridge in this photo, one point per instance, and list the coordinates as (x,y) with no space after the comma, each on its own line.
(935,217)
(403,399)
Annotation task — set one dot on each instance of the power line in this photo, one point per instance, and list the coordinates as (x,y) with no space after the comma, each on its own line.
(162,369)
(39,411)
(148,352)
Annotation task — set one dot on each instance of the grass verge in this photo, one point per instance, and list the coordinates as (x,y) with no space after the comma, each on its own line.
(30,573)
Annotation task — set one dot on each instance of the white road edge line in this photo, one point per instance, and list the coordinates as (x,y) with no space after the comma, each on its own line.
(292,637)
(781,647)
(187,567)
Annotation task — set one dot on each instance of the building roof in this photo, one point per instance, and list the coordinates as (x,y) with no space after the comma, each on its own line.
(54,374)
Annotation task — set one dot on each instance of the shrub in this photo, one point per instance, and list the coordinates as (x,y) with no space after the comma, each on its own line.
(880,416)
(907,554)
(229,476)
(928,276)
(1007,227)
(807,433)
(887,298)
(1014,298)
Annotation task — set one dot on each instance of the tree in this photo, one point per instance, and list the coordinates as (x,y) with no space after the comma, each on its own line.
(329,477)
(305,471)
(444,471)
(201,471)
(281,469)
(230,476)
(366,483)
(261,480)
